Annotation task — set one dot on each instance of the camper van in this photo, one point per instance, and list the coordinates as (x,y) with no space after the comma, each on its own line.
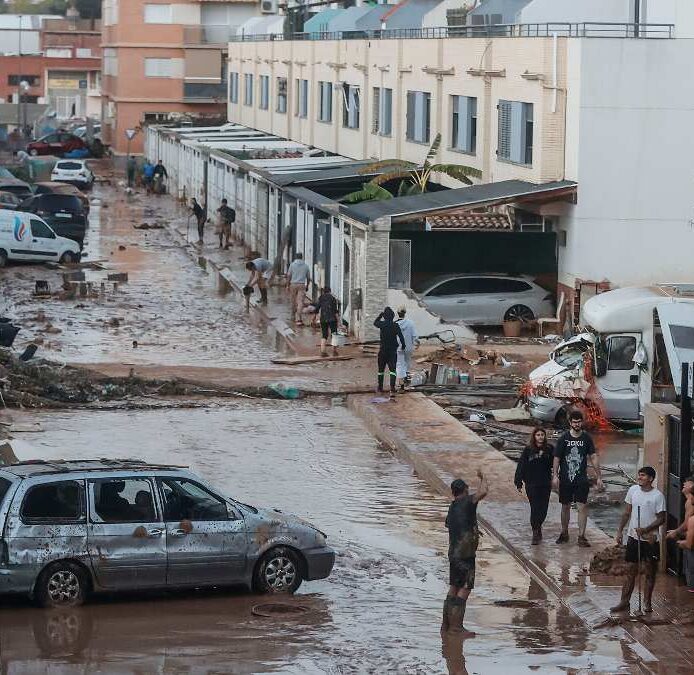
(26,236)
(637,340)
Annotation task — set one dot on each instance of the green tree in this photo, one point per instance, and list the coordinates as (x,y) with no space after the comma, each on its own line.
(88,9)
(414,179)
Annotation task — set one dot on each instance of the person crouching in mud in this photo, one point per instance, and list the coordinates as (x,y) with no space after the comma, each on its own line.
(463,536)
(388,350)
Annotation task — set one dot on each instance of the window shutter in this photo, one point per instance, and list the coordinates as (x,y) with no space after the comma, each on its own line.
(387,112)
(376,111)
(411,102)
(504,141)
(517,133)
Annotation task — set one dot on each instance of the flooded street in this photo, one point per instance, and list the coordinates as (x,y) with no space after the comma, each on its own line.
(379,611)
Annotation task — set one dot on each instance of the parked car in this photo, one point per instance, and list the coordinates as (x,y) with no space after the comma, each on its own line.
(56,143)
(8,200)
(25,236)
(53,187)
(486,299)
(73,527)
(16,187)
(6,173)
(82,131)
(74,171)
(64,213)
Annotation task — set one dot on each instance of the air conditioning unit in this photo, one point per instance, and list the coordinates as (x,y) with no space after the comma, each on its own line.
(268,6)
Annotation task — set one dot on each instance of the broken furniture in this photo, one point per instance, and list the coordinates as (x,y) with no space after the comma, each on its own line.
(551,324)
(8,332)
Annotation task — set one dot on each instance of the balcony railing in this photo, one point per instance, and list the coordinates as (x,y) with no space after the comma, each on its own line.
(589,30)
(212,92)
(209,35)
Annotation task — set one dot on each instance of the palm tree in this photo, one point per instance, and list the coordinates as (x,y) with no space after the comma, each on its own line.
(414,179)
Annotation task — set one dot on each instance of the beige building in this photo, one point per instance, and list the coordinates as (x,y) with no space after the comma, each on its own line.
(500,105)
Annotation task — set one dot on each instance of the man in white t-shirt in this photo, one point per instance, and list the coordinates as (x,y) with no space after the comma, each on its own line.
(645,513)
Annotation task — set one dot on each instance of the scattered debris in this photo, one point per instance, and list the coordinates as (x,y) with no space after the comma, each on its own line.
(120,277)
(147,226)
(609,561)
(42,289)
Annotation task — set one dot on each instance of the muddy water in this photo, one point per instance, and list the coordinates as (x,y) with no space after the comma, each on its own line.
(170,306)
(378,612)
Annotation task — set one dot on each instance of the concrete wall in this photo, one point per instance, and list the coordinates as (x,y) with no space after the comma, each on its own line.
(438,66)
(634,220)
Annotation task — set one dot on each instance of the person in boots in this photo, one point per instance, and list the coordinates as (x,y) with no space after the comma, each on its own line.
(329,315)
(226,216)
(463,538)
(570,471)
(645,512)
(261,271)
(200,217)
(298,279)
(409,332)
(388,349)
(534,470)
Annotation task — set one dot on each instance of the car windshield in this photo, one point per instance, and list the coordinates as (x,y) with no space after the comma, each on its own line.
(69,166)
(14,189)
(571,356)
(5,173)
(55,202)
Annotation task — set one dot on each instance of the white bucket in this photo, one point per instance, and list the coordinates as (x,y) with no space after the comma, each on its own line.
(338,340)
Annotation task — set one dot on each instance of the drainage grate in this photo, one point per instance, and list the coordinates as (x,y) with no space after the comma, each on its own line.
(273,609)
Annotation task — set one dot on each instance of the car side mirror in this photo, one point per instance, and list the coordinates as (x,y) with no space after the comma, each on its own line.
(600,366)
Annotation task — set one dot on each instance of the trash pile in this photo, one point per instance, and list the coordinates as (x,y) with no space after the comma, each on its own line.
(609,561)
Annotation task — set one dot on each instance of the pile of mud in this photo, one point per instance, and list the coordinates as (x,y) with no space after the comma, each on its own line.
(43,384)
(609,561)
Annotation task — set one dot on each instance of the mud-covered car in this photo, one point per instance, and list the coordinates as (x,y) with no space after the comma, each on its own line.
(70,528)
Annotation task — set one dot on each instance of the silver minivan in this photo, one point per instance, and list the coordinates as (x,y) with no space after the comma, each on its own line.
(70,528)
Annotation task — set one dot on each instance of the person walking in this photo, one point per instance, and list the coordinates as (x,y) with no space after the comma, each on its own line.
(463,539)
(388,350)
(261,272)
(409,332)
(226,216)
(329,314)
(534,470)
(570,475)
(645,513)
(298,278)
(200,216)
(148,175)
(680,533)
(159,174)
(131,169)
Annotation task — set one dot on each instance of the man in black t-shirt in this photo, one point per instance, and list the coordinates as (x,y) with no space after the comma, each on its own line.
(463,537)
(570,475)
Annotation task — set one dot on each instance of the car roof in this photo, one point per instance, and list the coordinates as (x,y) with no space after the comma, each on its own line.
(472,275)
(65,161)
(41,467)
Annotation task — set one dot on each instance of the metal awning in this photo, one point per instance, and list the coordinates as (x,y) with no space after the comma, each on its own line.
(469,221)
(487,194)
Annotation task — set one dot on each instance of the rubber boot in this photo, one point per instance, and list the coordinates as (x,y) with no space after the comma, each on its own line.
(537,537)
(456,612)
(263,296)
(445,621)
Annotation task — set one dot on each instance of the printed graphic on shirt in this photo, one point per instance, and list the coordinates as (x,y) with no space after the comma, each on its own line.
(574,459)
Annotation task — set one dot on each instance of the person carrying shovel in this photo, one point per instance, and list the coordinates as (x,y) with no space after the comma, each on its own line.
(644,511)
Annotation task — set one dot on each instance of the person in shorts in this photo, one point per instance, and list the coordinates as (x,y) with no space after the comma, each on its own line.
(261,273)
(645,512)
(463,537)
(226,216)
(570,475)
(329,314)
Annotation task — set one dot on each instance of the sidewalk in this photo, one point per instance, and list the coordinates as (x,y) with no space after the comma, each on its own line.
(440,448)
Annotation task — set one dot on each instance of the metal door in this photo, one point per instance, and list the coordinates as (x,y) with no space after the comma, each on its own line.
(127,546)
(619,387)
(205,538)
(399,263)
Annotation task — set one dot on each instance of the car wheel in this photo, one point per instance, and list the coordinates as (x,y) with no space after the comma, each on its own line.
(62,584)
(278,572)
(33,152)
(68,258)
(519,313)
(3,257)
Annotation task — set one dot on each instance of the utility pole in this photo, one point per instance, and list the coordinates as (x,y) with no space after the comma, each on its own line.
(637,17)
(19,79)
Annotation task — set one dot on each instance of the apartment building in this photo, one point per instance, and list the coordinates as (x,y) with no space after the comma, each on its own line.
(63,71)
(162,60)
(536,103)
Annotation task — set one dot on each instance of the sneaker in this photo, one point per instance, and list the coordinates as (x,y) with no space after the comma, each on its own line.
(563,538)
(583,542)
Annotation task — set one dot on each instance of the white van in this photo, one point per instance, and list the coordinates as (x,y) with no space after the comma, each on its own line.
(25,236)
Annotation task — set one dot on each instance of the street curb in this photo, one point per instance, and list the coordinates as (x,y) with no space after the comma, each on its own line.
(582,608)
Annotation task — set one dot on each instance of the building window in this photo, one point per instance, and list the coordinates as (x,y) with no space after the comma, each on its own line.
(158,67)
(233,87)
(248,89)
(325,102)
(59,53)
(382,111)
(282,95)
(83,52)
(156,117)
(350,106)
(418,116)
(301,108)
(264,92)
(464,123)
(32,80)
(110,65)
(515,132)
(158,14)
